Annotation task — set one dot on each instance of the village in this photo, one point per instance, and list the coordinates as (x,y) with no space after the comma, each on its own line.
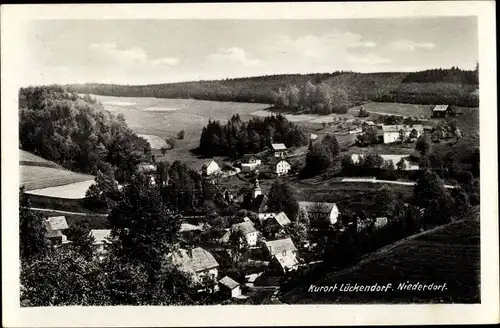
(261,242)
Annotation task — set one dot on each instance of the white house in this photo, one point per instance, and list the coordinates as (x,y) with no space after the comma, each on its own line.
(280,166)
(102,238)
(380,222)
(230,286)
(283,253)
(327,211)
(55,226)
(440,110)
(197,262)
(392,133)
(279,149)
(210,167)
(248,230)
(249,163)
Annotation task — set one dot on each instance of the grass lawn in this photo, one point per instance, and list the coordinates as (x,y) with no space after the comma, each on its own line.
(38,177)
(448,254)
(384,108)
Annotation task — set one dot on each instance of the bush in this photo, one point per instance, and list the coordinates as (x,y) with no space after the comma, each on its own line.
(180,135)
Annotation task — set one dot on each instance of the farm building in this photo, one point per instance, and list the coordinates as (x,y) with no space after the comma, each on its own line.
(210,167)
(146,168)
(248,230)
(280,166)
(441,110)
(279,149)
(230,287)
(101,238)
(392,133)
(283,253)
(249,163)
(380,222)
(328,211)
(313,136)
(55,226)
(197,262)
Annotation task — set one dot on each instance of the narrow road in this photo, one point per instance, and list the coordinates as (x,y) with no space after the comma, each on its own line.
(66,212)
(374,180)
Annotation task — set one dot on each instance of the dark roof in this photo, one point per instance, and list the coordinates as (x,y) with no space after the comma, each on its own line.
(259,204)
(313,206)
(248,157)
(195,260)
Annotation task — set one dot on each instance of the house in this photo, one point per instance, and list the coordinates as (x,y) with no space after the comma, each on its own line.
(313,136)
(101,238)
(210,167)
(282,253)
(380,222)
(392,133)
(275,224)
(319,210)
(197,262)
(247,229)
(230,287)
(249,163)
(146,168)
(279,149)
(280,166)
(441,110)
(55,226)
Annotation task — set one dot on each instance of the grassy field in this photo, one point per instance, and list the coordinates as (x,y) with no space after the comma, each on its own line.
(27,158)
(164,118)
(89,220)
(448,254)
(40,177)
(382,108)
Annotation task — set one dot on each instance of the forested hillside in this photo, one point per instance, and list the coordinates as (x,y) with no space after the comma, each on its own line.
(452,86)
(75,132)
(237,137)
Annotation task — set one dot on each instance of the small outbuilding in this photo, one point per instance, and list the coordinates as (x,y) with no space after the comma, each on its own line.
(230,287)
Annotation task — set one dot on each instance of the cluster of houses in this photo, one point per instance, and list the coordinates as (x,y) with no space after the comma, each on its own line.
(249,163)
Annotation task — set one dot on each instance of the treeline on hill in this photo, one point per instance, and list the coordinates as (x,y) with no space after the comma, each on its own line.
(320,99)
(76,132)
(440,86)
(237,137)
(452,75)
(260,89)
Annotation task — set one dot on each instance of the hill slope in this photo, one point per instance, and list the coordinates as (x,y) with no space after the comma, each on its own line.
(448,254)
(400,87)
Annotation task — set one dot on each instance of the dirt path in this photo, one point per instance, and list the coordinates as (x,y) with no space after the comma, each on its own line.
(374,180)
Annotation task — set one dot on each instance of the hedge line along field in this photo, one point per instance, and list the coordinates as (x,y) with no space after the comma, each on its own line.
(447,254)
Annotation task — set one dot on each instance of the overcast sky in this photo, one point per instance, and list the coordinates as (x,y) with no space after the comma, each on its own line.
(157,51)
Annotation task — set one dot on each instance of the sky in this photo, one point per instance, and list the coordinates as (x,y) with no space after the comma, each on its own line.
(161,51)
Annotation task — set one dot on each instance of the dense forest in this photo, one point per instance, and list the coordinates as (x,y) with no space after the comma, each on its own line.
(453,86)
(237,137)
(320,98)
(76,132)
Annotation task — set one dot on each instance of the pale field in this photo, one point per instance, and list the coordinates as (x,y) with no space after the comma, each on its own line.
(155,141)
(37,177)
(75,190)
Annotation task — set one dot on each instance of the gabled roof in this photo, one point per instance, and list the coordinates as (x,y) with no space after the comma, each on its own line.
(190,227)
(195,260)
(57,223)
(229,283)
(100,235)
(313,206)
(278,246)
(275,161)
(282,219)
(440,108)
(208,162)
(248,157)
(245,227)
(259,204)
(286,261)
(278,146)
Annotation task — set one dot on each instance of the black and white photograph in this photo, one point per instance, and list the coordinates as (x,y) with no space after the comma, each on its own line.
(235,162)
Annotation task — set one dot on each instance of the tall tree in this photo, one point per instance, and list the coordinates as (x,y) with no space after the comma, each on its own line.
(32,230)
(282,198)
